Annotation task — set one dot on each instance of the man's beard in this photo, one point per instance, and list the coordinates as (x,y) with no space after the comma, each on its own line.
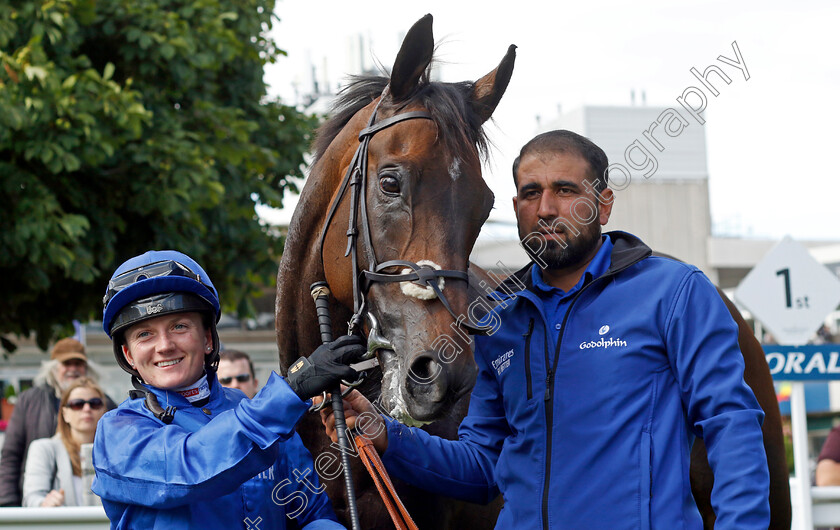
(556,256)
(68,379)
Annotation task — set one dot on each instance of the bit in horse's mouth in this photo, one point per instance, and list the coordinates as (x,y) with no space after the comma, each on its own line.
(367,364)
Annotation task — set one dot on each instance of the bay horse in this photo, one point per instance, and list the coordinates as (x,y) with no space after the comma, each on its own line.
(421,179)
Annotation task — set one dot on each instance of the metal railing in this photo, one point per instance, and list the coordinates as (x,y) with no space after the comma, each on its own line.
(825,506)
(63,517)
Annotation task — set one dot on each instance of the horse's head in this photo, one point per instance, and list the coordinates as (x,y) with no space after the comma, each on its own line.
(421,199)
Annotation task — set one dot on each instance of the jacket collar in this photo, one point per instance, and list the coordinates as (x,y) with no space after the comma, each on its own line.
(627,250)
(170,397)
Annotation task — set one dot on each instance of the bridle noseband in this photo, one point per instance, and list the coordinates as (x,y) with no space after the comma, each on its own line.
(356,179)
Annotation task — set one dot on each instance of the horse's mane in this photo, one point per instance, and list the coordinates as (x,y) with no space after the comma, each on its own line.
(448,103)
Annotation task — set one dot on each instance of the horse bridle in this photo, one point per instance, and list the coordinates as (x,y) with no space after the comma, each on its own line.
(424,275)
(356,179)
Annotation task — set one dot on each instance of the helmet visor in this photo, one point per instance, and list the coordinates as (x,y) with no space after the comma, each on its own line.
(152,270)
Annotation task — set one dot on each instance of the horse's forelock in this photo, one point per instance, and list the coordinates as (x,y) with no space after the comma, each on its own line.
(350,100)
(448,103)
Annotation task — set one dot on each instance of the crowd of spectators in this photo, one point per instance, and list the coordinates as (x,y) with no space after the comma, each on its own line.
(36,413)
(41,461)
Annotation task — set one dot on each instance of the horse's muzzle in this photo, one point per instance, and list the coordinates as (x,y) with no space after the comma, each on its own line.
(432,386)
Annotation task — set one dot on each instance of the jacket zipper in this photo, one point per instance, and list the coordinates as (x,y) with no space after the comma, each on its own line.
(548,368)
(549,394)
(549,414)
(527,335)
(549,388)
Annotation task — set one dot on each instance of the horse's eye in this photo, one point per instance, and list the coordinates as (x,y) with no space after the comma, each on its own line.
(389,185)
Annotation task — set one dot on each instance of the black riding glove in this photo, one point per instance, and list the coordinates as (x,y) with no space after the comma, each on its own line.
(327,366)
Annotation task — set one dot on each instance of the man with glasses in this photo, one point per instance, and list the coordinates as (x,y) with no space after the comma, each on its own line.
(237,371)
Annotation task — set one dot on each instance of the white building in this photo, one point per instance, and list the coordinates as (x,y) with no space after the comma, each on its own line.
(665,200)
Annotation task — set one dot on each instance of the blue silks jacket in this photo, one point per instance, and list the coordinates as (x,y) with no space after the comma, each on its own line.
(240,466)
(584,417)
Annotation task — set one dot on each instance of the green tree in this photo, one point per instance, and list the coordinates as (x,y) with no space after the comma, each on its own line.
(129,125)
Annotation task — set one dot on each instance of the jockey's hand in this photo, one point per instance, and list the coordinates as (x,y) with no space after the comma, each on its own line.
(360,415)
(327,366)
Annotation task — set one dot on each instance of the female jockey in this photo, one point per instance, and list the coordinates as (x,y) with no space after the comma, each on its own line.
(184,452)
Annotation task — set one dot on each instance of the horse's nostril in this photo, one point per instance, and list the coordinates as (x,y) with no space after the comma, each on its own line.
(426,381)
(424,370)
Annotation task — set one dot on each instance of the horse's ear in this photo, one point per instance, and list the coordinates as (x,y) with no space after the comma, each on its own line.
(488,91)
(414,57)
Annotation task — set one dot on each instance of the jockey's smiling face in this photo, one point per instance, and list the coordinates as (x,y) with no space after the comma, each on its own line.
(168,351)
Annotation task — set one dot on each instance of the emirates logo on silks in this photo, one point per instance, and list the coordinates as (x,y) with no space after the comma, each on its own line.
(502,362)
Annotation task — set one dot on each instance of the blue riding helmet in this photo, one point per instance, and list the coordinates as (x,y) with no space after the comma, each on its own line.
(157,283)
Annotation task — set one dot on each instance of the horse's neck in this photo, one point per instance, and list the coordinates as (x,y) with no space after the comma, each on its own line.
(310,214)
(300,265)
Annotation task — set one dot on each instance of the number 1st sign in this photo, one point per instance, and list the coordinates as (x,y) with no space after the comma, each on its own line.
(790,293)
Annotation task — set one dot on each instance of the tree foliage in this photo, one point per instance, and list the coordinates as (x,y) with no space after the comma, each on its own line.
(131,125)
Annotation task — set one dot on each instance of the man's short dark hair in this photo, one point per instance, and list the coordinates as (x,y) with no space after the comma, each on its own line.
(562,141)
(235,355)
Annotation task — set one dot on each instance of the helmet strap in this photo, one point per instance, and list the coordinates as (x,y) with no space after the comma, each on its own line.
(165,415)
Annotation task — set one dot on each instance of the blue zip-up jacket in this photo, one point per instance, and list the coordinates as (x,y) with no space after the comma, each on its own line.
(583,415)
(233,463)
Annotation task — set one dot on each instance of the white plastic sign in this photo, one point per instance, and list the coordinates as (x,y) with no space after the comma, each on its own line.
(790,293)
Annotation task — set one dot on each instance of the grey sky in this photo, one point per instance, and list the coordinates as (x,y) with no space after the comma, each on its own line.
(770,139)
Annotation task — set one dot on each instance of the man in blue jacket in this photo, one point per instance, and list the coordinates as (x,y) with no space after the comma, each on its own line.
(607,364)
(183,451)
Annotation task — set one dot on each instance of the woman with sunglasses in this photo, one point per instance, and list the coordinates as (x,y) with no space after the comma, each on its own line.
(53,473)
(184,452)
